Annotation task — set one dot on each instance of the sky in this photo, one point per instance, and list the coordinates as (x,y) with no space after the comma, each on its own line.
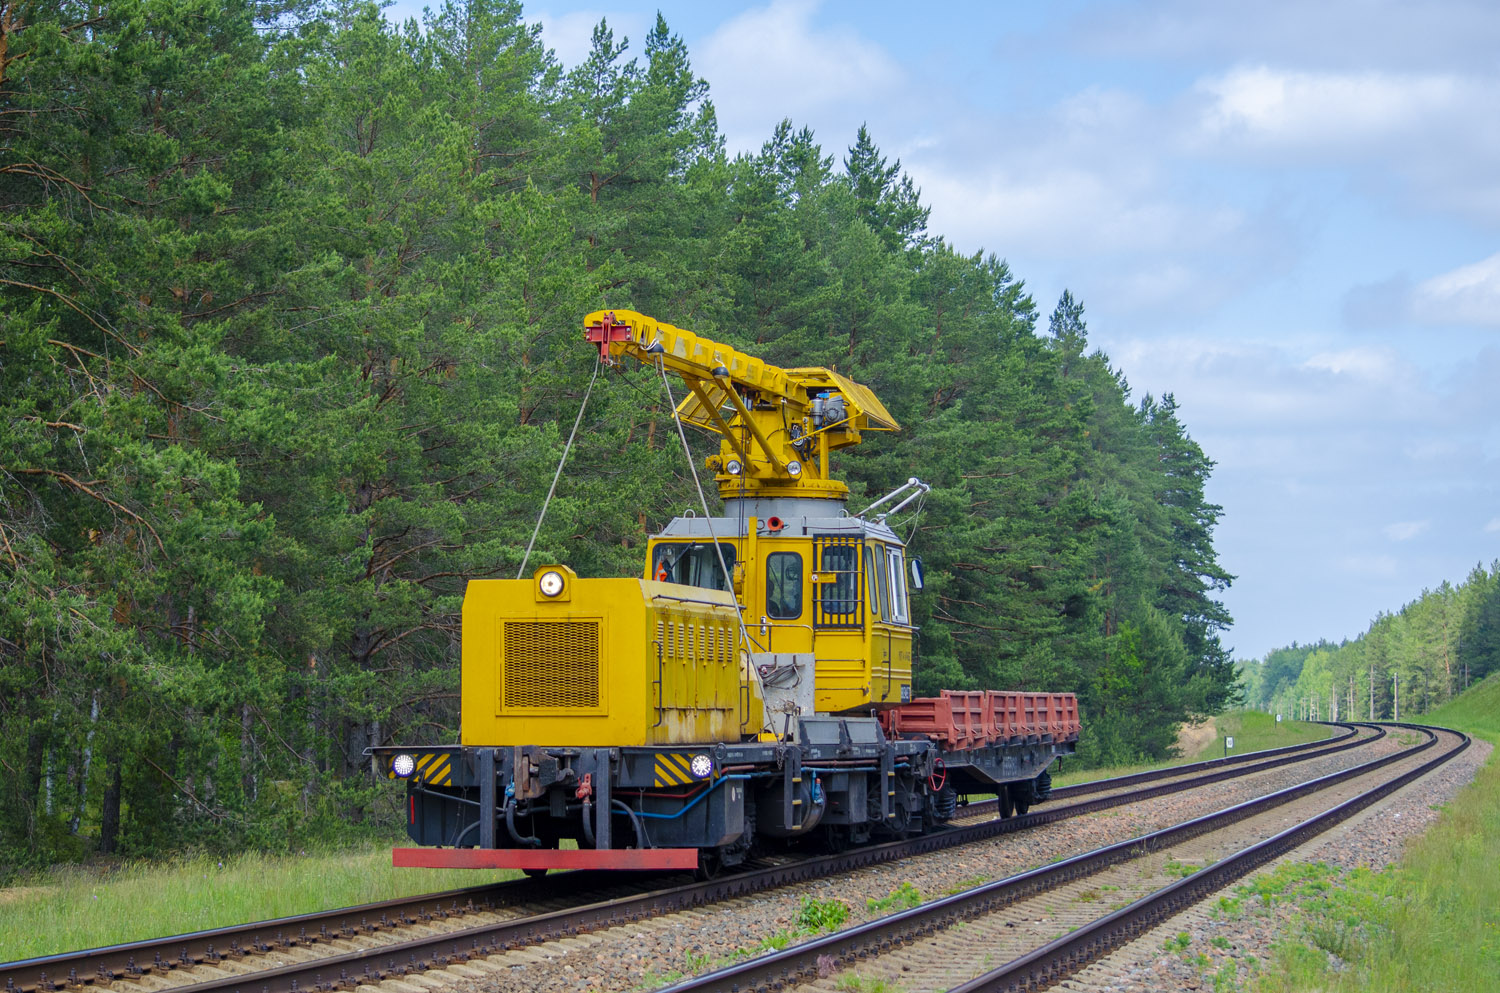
(1285,214)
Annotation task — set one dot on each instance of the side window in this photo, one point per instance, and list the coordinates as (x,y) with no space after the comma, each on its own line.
(839,602)
(784,585)
(692,564)
(896,560)
(875,569)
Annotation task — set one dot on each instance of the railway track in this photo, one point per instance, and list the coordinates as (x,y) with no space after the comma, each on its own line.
(359,944)
(925,936)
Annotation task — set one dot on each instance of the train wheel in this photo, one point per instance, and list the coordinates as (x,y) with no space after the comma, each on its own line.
(1003,801)
(1020,795)
(709,865)
(835,838)
(535,873)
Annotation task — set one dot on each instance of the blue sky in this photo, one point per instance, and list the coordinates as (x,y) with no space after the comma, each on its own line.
(1286,214)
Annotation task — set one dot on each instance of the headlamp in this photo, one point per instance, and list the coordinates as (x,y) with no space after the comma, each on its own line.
(551,583)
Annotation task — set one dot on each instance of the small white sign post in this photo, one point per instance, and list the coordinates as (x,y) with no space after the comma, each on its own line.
(1228,744)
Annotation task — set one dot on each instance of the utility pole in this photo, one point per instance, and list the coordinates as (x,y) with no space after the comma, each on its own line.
(1396,695)
(1372,691)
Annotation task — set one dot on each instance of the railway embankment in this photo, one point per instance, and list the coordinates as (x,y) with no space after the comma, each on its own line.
(1259,772)
(1374,904)
(1205,816)
(663,951)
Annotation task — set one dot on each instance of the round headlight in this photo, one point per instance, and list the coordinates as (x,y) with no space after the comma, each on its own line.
(551,583)
(702,766)
(403,765)
(794,469)
(733,467)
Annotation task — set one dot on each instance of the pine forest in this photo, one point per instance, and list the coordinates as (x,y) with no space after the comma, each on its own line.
(1408,662)
(291,301)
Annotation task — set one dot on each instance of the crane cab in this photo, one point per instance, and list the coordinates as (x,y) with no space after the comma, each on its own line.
(822,596)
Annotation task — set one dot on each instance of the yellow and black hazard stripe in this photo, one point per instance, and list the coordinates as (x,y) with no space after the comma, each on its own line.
(434,769)
(674,769)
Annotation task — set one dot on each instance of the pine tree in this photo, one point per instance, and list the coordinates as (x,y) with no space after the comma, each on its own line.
(887,200)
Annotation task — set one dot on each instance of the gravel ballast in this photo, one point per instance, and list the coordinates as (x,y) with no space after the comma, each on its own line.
(650,954)
(1192,950)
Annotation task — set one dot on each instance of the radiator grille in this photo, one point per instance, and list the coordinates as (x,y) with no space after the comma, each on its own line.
(551,664)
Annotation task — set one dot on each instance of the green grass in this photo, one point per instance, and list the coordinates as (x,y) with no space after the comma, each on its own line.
(864,984)
(1253,731)
(1477,711)
(902,897)
(1433,922)
(815,916)
(73,908)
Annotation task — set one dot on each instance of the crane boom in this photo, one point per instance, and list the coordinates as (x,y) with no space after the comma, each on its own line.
(776,426)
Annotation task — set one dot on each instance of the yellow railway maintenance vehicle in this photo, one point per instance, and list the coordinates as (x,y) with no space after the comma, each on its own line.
(752,687)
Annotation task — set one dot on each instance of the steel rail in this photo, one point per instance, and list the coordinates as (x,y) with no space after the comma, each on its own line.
(100,966)
(1100,785)
(130,960)
(1066,955)
(1217,773)
(782,969)
(436,951)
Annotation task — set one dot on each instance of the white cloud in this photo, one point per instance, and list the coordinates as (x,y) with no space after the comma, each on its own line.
(1060,211)
(1396,136)
(1468,295)
(773,62)
(1358,417)
(1371,364)
(571,35)
(1493,527)
(1405,530)
(1262,106)
(1433,34)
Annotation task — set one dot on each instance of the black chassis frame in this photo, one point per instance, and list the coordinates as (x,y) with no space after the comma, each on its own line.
(838,773)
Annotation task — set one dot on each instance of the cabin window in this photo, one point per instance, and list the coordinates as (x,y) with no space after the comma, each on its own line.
(692,564)
(874,570)
(784,585)
(894,560)
(840,600)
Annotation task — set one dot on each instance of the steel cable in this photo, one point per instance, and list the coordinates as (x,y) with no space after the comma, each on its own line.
(521,572)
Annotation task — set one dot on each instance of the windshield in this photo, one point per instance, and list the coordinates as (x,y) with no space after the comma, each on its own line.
(692,564)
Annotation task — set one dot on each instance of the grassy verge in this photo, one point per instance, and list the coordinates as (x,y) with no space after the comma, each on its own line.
(1433,922)
(1253,732)
(73,908)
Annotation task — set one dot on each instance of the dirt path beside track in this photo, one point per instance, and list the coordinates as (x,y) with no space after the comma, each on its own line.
(1193,738)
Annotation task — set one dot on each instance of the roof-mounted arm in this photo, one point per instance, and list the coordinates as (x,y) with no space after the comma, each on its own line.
(911,484)
(777,425)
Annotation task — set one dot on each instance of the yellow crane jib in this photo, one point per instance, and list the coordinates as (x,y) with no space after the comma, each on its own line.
(776,426)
